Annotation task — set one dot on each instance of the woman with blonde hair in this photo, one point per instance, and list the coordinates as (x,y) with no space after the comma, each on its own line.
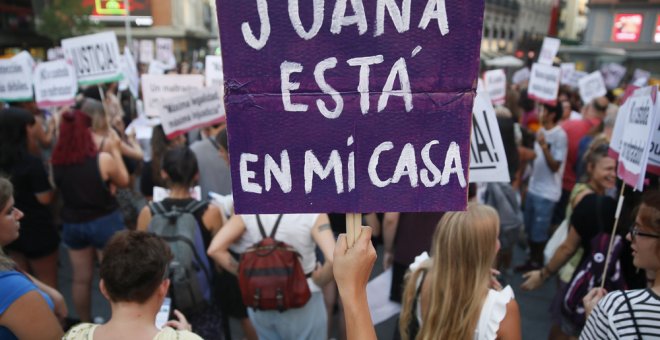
(450,296)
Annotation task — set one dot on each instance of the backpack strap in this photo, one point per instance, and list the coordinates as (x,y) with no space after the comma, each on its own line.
(632,314)
(194,206)
(157,208)
(263,231)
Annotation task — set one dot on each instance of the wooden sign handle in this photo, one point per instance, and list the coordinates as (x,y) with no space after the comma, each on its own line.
(353,228)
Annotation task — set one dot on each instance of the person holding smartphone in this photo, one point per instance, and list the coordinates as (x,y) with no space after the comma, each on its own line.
(134,279)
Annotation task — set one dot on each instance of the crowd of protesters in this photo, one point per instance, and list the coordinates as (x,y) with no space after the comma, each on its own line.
(77,177)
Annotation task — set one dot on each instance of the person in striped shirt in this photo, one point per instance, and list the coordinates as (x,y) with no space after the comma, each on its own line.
(632,314)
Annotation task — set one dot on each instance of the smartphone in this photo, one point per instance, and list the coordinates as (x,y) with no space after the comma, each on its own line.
(164,313)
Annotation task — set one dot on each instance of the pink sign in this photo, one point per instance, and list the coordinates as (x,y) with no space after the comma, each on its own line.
(627,27)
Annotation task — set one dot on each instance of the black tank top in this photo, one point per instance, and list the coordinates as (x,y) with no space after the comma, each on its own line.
(86,196)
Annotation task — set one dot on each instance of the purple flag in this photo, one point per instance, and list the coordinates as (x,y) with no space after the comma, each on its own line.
(349,105)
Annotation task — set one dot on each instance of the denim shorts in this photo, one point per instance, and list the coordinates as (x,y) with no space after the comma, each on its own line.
(538,215)
(95,233)
(307,322)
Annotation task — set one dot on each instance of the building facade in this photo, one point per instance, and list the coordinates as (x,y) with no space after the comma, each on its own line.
(632,26)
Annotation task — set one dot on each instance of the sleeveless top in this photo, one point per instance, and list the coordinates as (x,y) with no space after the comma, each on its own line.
(13,285)
(85,331)
(86,196)
(492,313)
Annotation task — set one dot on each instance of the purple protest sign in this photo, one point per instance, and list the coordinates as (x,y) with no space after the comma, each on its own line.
(349,106)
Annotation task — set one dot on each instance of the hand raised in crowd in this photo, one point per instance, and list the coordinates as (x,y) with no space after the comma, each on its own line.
(352,268)
(180,324)
(540,138)
(591,299)
(533,280)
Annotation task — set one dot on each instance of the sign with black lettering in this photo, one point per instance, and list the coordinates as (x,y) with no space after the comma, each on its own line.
(95,57)
(55,83)
(495,83)
(591,86)
(192,110)
(16,78)
(487,158)
(641,120)
(156,88)
(544,83)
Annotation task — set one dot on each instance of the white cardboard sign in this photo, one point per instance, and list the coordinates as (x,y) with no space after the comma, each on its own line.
(131,75)
(487,158)
(16,78)
(641,77)
(191,110)
(156,88)
(641,119)
(95,57)
(544,83)
(521,76)
(549,50)
(55,83)
(146,51)
(591,86)
(495,83)
(213,71)
(653,165)
(164,49)
(612,74)
(567,70)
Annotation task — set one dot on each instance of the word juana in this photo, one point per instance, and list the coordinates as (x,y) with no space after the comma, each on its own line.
(407,166)
(435,9)
(94,59)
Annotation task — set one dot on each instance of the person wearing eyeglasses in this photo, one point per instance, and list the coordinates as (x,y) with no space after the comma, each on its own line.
(631,314)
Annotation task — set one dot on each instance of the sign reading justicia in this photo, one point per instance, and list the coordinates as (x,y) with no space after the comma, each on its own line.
(349,106)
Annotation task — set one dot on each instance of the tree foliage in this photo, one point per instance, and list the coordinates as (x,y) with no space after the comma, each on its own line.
(60,19)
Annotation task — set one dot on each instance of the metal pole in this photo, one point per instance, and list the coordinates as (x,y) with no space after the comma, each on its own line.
(127,23)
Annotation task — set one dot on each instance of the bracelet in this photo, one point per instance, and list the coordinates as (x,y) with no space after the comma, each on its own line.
(546,270)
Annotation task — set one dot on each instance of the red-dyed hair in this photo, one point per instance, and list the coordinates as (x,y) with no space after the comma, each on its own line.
(75,143)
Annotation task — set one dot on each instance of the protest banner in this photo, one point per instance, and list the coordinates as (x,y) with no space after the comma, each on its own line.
(567,70)
(612,74)
(334,117)
(487,157)
(156,88)
(549,50)
(54,53)
(653,165)
(544,83)
(131,79)
(640,77)
(575,77)
(495,83)
(95,57)
(520,76)
(16,78)
(55,83)
(191,110)
(146,51)
(591,86)
(640,122)
(213,71)
(164,49)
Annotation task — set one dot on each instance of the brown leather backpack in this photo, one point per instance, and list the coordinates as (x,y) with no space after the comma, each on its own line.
(270,274)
